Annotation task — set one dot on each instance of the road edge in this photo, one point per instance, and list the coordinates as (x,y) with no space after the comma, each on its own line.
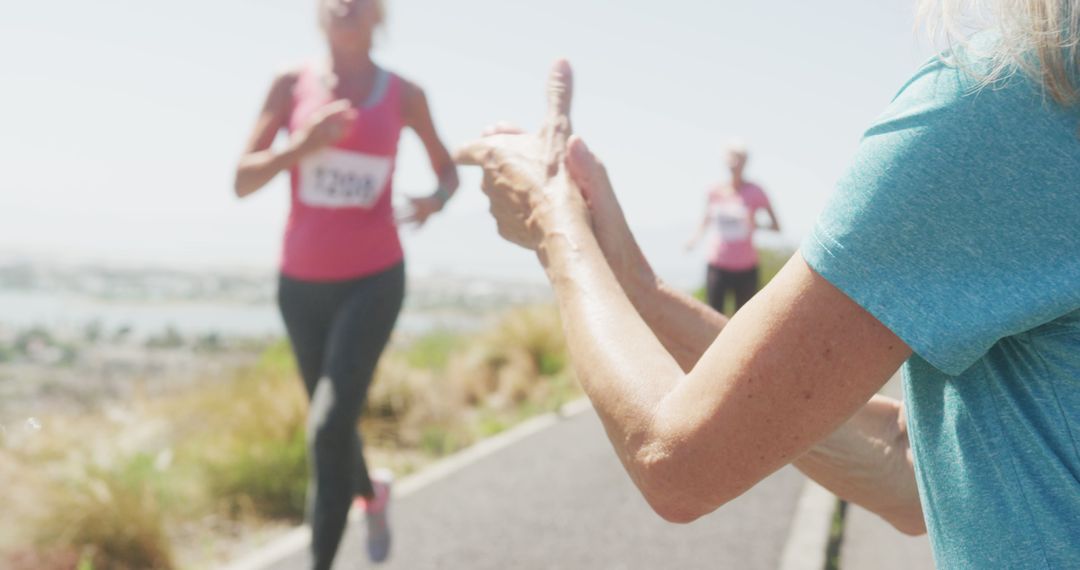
(808,539)
(299,538)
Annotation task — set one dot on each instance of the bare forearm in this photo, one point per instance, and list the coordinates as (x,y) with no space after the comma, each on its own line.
(865,461)
(620,363)
(774,222)
(628,374)
(448,176)
(868,462)
(685,326)
(694,239)
(257,169)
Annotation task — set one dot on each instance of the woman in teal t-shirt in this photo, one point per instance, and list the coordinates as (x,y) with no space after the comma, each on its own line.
(952,248)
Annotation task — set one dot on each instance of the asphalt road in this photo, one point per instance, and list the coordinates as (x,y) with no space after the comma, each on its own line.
(560,499)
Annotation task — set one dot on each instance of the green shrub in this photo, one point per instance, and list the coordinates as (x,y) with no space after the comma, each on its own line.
(537,331)
(770,261)
(439,441)
(432,350)
(247,438)
(268,477)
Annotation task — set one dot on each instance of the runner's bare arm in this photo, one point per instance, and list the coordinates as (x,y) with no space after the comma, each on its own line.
(259,163)
(785,373)
(774,222)
(866,461)
(701,229)
(417,115)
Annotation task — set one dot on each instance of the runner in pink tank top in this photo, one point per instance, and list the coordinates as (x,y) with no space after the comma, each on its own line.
(341,224)
(730,222)
(342,276)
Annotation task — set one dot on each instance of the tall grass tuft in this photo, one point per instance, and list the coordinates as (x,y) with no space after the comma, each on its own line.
(248,438)
(113,519)
(486,383)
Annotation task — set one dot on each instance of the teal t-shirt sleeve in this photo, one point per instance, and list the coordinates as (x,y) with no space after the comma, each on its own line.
(949,226)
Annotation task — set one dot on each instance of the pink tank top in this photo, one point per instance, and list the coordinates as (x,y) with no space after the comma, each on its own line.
(731,216)
(341,224)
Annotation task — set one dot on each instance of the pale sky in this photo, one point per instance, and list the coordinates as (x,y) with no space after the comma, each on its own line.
(121,120)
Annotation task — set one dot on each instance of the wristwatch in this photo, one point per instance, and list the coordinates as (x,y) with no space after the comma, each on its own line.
(442,195)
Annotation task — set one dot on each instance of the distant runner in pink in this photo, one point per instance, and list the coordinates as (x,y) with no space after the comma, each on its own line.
(730,221)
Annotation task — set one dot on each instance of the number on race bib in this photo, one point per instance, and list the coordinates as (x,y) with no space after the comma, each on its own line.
(333,178)
(733,222)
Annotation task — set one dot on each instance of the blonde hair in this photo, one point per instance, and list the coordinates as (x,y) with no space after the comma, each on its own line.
(1038,37)
(380,9)
(737,147)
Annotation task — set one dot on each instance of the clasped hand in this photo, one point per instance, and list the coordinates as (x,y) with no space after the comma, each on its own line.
(533,196)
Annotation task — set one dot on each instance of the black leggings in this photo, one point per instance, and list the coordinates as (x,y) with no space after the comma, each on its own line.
(338,330)
(744,284)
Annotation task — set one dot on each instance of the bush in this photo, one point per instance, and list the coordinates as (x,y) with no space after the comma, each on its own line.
(445,391)
(267,478)
(770,263)
(432,351)
(113,518)
(537,331)
(249,439)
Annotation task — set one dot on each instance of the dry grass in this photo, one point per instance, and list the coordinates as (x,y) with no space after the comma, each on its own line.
(73,504)
(113,519)
(487,383)
(99,492)
(246,437)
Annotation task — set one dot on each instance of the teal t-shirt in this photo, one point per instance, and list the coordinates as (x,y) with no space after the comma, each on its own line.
(958,227)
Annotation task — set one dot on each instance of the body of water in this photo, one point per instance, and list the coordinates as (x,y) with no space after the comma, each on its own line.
(24,309)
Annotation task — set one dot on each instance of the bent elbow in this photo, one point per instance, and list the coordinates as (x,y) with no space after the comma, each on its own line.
(671,491)
(921,531)
(240,186)
(910,526)
(674,513)
(908,518)
(449,176)
(675,505)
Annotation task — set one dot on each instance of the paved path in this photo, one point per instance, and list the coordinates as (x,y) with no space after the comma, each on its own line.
(560,499)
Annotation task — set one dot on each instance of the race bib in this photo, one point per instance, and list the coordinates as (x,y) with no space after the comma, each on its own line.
(733,222)
(335,178)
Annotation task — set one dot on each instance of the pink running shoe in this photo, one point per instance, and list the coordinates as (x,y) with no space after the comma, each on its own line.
(376,511)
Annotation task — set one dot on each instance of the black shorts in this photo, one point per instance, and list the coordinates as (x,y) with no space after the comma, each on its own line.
(743,284)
